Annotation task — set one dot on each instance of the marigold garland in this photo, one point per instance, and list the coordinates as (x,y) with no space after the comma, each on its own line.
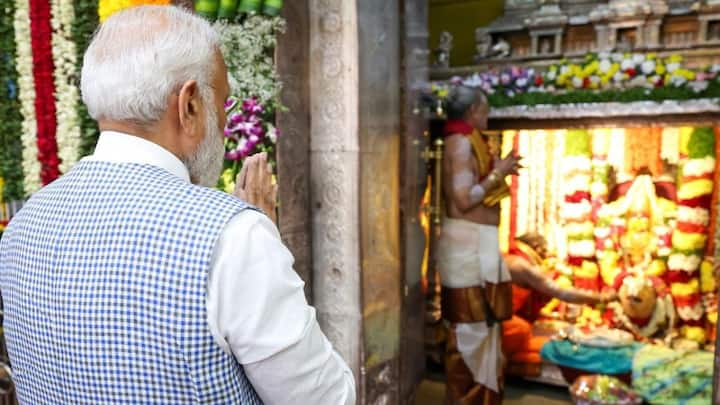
(106,8)
(698,147)
(43,69)
(10,118)
(26,95)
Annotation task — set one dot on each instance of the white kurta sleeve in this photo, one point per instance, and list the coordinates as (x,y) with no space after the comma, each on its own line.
(257,312)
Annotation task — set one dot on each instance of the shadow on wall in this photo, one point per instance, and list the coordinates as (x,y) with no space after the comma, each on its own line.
(461,18)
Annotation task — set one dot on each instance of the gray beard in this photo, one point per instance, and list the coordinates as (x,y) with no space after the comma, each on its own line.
(205,164)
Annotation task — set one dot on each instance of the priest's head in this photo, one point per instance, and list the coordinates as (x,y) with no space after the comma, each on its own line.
(468,104)
(157,72)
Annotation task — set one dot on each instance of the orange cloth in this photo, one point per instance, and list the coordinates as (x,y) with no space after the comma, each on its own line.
(461,386)
(520,297)
(521,348)
(516,336)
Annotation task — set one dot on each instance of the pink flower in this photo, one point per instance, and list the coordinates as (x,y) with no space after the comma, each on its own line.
(230,103)
(251,106)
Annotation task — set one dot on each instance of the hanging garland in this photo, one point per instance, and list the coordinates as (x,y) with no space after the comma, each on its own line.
(83,26)
(106,8)
(10,118)
(26,94)
(43,69)
(577,209)
(690,234)
(67,95)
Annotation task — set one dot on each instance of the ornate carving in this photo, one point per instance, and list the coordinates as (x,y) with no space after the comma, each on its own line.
(483,44)
(334,167)
(442,52)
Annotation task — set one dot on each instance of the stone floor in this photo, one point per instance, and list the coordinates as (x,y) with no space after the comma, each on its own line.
(518,392)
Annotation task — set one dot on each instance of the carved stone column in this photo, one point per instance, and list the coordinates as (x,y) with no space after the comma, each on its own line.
(334,157)
(293,65)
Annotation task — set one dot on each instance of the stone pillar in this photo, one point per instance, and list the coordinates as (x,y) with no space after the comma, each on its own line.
(603,41)
(293,54)
(534,47)
(558,43)
(652,33)
(334,158)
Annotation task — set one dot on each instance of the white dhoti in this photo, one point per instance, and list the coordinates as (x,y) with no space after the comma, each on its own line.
(469,256)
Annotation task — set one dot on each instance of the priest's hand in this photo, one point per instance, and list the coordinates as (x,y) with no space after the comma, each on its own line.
(254,185)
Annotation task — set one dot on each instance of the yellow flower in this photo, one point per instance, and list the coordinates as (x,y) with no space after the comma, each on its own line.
(712,317)
(675,58)
(657,268)
(651,56)
(694,189)
(685,289)
(694,333)
(106,8)
(685,133)
(564,282)
(667,207)
(687,74)
(587,270)
(660,69)
(688,241)
(227,178)
(707,277)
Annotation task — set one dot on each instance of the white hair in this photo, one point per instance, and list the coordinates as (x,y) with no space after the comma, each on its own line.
(140,56)
(206,162)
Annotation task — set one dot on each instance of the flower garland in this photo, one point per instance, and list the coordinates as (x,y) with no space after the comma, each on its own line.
(600,77)
(663,307)
(106,8)
(26,95)
(604,246)
(43,69)
(83,26)
(10,118)
(577,209)
(248,130)
(67,95)
(693,216)
(248,47)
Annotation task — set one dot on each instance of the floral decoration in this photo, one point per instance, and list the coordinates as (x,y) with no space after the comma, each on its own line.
(11,120)
(249,129)
(623,77)
(26,95)
(43,68)
(83,26)
(67,94)
(106,8)
(577,210)
(695,187)
(248,44)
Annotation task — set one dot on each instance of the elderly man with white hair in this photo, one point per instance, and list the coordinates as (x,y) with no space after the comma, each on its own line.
(128,280)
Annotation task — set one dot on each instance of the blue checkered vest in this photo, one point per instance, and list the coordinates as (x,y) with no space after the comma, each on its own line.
(103,278)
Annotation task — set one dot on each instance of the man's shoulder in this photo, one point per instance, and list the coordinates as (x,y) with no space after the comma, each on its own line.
(221,197)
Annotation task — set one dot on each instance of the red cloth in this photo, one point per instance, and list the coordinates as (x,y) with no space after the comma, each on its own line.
(666,189)
(578,196)
(453,127)
(703,201)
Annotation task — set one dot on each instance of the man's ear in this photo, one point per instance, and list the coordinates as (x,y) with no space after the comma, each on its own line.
(189,106)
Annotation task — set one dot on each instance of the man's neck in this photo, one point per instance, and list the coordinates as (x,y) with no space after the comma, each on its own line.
(156,133)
